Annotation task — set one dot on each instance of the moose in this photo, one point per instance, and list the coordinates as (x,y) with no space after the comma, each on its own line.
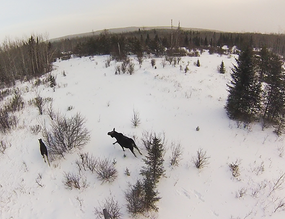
(124,141)
(44,151)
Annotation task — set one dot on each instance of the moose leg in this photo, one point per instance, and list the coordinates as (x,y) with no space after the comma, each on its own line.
(132,150)
(115,142)
(123,148)
(47,160)
(137,149)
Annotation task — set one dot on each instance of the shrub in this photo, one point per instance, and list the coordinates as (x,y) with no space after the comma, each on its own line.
(127,172)
(136,119)
(87,162)
(131,68)
(3,146)
(51,81)
(111,206)
(74,181)
(66,134)
(16,103)
(201,160)
(7,122)
(50,111)
(175,154)
(152,62)
(117,69)
(35,129)
(106,172)
(125,65)
(234,167)
(163,62)
(39,103)
(140,60)
(108,62)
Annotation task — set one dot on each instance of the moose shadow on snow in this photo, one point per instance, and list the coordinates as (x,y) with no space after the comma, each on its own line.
(124,141)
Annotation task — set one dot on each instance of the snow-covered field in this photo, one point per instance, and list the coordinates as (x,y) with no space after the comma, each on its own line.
(169,102)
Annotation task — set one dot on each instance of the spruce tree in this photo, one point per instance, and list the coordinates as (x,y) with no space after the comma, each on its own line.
(222,69)
(274,91)
(243,101)
(198,63)
(135,197)
(150,195)
(263,63)
(154,159)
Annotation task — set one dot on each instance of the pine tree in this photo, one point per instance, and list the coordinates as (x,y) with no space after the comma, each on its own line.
(198,63)
(274,92)
(263,63)
(150,195)
(222,69)
(154,159)
(243,101)
(135,198)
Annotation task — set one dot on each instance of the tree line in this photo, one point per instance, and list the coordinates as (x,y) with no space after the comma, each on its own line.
(22,60)
(167,42)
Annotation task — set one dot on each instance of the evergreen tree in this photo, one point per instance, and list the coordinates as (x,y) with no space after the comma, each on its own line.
(154,160)
(222,69)
(274,91)
(263,63)
(198,63)
(151,194)
(243,101)
(135,198)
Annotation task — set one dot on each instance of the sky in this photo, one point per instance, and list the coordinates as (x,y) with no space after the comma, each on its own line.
(56,18)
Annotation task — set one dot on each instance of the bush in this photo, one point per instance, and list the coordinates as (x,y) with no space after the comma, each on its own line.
(131,68)
(152,62)
(117,69)
(66,134)
(39,103)
(3,146)
(16,103)
(7,122)
(51,81)
(74,181)
(201,160)
(108,62)
(87,162)
(111,206)
(234,167)
(106,172)
(35,129)
(175,154)
(136,119)
(125,65)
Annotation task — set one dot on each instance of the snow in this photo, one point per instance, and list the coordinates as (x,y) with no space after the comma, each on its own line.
(170,102)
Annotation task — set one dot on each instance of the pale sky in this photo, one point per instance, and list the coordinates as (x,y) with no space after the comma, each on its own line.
(56,18)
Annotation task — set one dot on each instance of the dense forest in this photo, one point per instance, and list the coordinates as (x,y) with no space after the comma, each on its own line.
(167,41)
(22,60)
